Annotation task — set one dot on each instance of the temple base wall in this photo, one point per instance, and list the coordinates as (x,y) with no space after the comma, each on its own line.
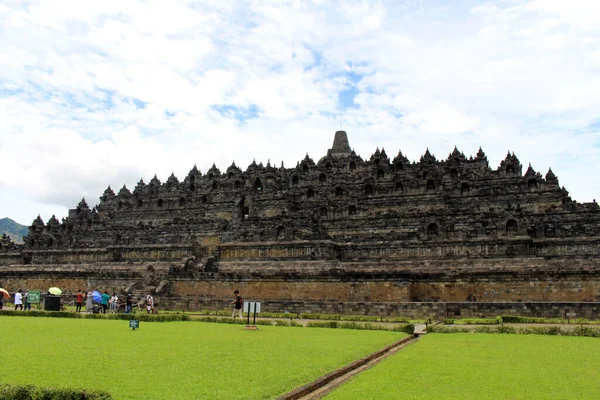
(433,310)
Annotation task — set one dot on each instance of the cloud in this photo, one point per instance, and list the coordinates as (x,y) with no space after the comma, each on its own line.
(106,93)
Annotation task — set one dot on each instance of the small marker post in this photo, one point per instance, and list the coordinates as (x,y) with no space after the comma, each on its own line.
(134,324)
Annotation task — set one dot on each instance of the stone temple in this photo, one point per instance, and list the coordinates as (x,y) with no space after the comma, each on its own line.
(381,236)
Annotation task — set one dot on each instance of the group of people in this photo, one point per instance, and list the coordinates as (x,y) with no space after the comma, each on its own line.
(108,302)
(112,302)
(21,300)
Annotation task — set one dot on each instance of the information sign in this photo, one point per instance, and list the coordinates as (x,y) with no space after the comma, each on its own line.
(34,297)
(252,306)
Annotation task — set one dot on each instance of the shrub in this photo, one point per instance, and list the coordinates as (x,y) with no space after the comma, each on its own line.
(586,331)
(284,322)
(68,314)
(40,313)
(27,392)
(323,324)
(473,321)
(515,319)
(222,320)
(447,329)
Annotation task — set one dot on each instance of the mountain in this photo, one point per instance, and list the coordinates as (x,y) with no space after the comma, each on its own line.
(15,230)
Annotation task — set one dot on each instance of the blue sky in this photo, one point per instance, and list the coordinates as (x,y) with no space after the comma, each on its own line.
(109,92)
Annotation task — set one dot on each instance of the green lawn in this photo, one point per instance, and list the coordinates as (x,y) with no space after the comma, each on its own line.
(484,366)
(176,360)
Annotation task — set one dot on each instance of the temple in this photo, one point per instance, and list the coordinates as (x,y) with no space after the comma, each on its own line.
(380,236)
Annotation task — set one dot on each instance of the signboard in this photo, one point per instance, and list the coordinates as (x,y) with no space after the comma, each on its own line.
(34,297)
(134,324)
(252,307)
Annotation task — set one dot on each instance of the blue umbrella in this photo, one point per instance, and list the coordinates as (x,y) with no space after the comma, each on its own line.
(97,296)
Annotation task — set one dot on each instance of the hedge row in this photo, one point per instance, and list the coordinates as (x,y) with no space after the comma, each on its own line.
(327,317)
(534,320)
(30,392)
(529,330)
(474,321)
(67,314)
(408,328)
(242,321)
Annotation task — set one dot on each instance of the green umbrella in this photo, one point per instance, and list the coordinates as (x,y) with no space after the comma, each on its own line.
(55,291)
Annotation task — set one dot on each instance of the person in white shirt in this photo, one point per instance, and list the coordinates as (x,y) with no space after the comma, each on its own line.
(18,300)
(114,303)
(149,303)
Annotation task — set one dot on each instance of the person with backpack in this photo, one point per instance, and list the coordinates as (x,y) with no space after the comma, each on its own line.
(238,304)
(128,303)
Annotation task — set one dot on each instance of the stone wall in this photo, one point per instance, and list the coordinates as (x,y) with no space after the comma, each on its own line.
(409,287)
(433,310)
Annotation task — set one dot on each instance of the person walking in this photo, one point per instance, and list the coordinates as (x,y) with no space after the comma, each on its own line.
(105,298)
(19,300)
(150,303)
(26,303)
(89,303)
(128,303)
(79,301)
(238,304)
(114,303)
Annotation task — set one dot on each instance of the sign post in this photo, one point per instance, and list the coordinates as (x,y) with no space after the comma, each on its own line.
(34,297)
(251,307)
(134,324)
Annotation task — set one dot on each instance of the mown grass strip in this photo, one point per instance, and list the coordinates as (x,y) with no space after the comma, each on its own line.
(180,360)
(477,366)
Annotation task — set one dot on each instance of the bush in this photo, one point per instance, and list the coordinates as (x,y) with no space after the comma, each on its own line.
(221,320)
(528,330)
(147,317)
(473,321)
(28,392)
(586,331)
(406,328)
(359,318)
(287,323)
(515,319)
(67,314)
(40,313)
(323,324)
(446,329)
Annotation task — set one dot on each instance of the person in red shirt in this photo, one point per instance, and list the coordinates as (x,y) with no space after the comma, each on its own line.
(79,301)
(238,304)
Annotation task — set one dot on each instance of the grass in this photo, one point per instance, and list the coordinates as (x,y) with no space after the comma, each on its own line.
(483,366)
(176,360)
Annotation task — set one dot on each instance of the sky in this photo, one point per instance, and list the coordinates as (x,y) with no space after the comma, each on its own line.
(107,92)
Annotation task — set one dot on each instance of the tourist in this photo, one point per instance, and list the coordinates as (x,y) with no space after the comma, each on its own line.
(26,302)
(128,303)
(105,298)
(89,303)
(18,300)
(1,301)
(149,303)
(238,303)
(79,301)
(114,303)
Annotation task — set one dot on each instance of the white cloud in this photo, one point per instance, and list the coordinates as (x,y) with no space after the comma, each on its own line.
(510,75)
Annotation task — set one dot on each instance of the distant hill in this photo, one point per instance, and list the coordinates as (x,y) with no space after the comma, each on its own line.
(15,230)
